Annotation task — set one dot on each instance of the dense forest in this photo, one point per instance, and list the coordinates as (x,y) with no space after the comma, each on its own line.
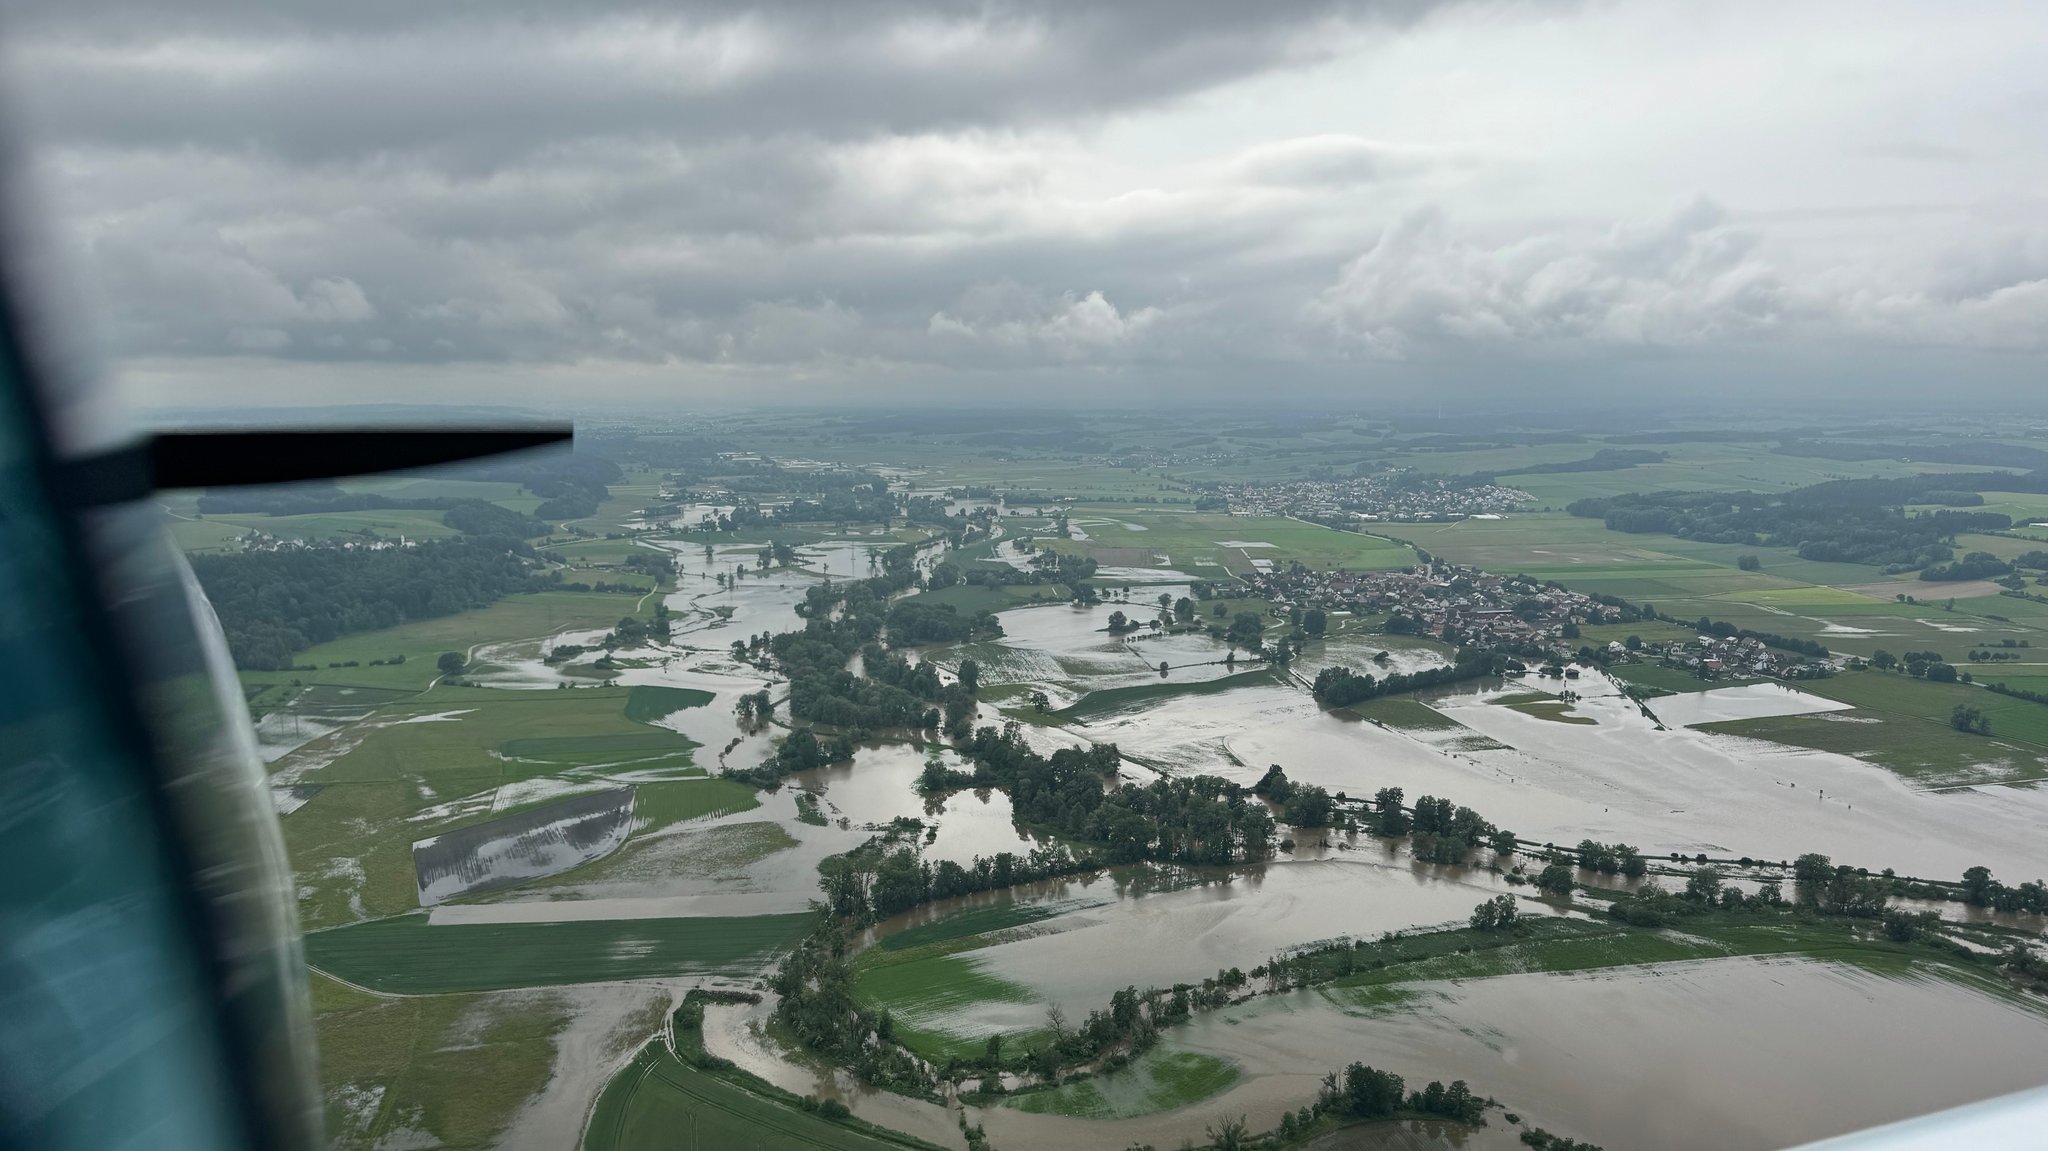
(274,604)
(1817,529)
(1199,819)
(845,620)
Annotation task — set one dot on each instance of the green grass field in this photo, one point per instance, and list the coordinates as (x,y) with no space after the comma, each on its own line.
(922,993)
(1156,1081)
(968,600)
(1110,701)
(351,844)
(453,1069)
(646,704)
(1553,710)
(1404,713)
(1669,680)
(658,1102)
(514,617)
(405,955)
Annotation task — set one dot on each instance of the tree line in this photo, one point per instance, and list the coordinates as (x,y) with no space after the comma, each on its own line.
(1879,535)
(1340,686)
(274,604)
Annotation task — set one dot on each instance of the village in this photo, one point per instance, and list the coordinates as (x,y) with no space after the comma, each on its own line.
(1390,497)
(1467,606)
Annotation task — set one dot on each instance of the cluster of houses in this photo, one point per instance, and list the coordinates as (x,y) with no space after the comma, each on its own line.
(1719,657)
(1466,605)
(1390,497)
(1446,601)
(258,540)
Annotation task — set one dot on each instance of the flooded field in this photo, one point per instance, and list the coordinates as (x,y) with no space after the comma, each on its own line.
(1119,929)
(1637,1057)
(1617,778)
(1645,1057)
(540,828)
(541,841)
(1811,1049)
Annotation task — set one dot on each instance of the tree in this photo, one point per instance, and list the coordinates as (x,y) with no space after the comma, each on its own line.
(1978,887)
(1314,621)
(1503,841)
(1704,886)
(1497,914)
(1040,702)
(452,663)
(1118,624)
(1883,660)
(1968,719)
(1245,628)
(1748,563)
(1386,805)
(1229,1135)
(970,676)
(1556,879)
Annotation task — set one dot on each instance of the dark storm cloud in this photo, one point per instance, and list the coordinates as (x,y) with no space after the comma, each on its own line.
(851,193)
(484,83)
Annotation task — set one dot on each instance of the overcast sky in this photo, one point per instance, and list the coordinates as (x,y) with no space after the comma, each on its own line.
(1073,202)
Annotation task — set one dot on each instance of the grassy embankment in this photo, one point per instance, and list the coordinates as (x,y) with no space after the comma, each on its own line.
(672,1098)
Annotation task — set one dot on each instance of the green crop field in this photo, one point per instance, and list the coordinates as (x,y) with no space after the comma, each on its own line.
(407,955)
(1902,723)
(659,805)
(647,704)
(575,750)
(1211,544)
(1404,713)
(376,778)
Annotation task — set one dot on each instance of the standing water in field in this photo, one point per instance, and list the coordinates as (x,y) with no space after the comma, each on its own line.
(551,838)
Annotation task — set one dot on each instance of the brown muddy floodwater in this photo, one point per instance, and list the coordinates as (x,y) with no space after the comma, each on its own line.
(1714,1055)
(1618,779)
(1128,928)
